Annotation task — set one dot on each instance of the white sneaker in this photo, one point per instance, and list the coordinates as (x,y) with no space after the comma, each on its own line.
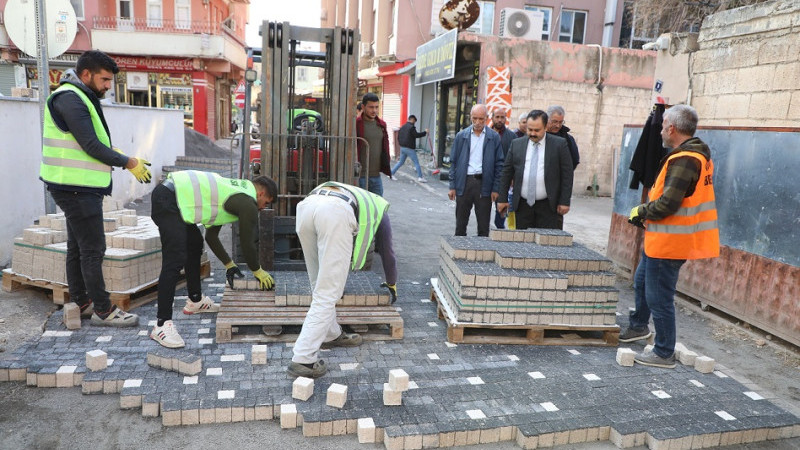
(205,305)
(167,335)
(422,180)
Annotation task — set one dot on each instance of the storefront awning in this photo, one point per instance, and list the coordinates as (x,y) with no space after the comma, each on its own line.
(368,74)
(408,70)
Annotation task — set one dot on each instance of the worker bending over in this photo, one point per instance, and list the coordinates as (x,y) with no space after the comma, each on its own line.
(336,224)
(190,198)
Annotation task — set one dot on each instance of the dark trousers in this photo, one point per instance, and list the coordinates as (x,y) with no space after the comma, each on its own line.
(464,204)
(538,216)
(181,248)
(86,246)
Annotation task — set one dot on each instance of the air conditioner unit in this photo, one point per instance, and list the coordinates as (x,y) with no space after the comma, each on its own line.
(521,23)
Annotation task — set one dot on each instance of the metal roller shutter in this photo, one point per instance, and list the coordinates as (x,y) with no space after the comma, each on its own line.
(7,79)
(392,107)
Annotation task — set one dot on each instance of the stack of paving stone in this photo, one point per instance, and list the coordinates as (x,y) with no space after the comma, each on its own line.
(132,258)
(526,277)
(363,288)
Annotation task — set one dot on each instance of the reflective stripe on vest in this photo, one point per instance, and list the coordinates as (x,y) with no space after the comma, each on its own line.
(371,208)
(63,160)
(692,232)
(201,196)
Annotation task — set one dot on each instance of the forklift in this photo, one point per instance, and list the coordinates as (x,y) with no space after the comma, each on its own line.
(298,148)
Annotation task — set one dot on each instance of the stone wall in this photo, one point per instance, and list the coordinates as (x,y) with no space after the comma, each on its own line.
(747,68)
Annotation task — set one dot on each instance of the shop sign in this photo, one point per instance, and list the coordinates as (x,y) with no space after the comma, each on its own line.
(436,59)
(171,79)
(154,64)
(54,74)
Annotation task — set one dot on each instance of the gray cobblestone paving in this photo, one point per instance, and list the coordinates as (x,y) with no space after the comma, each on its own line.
(520,391)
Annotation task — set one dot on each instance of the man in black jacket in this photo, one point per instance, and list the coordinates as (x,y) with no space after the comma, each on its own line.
(556,126)
(407,137)
(77,159)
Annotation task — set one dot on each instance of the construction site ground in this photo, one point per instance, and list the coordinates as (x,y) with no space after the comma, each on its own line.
(450,380)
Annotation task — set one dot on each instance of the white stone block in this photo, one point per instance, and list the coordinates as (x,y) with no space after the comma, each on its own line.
(366,431)
(258,354)
(337,395)
(289,416)
(303,388)
(687,357)
(398,380)
(704,364)
(391,397)
(96,360)
(625,357)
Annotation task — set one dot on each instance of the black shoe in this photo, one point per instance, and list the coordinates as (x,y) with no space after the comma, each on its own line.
(344,340)
(317,370)
(634,334)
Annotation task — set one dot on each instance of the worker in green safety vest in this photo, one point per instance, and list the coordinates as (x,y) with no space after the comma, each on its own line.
(190,198)
(77,159)
(336,223)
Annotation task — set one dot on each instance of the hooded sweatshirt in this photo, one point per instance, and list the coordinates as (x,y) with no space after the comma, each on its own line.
(71,114)
(681,179)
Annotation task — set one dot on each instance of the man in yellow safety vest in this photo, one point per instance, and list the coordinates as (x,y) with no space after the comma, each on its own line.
(184,200)
(336,224)
(77,158)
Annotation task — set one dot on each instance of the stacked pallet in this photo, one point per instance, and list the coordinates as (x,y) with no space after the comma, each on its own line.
(131,262)
(526,277)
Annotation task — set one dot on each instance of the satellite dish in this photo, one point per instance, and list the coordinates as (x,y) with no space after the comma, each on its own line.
(460,14)
(20,22)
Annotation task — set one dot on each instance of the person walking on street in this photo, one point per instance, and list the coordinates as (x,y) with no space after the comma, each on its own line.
(336,223)
(407,138)
(371,128)
(184,200)
(680,223)
(77,159)
(555,125)
(506,136)
(475,164)
(541,169)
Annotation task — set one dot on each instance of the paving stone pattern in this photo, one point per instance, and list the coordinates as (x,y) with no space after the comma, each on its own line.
(511,279)
(458,394)
(362,289)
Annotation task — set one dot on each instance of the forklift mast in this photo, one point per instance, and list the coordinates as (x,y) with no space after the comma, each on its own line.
(299,158)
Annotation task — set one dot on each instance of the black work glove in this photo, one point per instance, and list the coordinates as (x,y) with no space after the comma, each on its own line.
(231,273)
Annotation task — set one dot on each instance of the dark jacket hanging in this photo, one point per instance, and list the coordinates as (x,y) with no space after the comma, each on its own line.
(649,151)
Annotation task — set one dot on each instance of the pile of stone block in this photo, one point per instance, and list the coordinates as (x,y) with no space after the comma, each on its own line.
(526,277)
(133,249)
(362,289)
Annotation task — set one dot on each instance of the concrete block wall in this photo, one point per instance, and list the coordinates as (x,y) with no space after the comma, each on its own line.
(595,119)
(746,69)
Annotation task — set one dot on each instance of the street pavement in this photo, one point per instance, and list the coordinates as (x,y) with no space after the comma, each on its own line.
(457,389)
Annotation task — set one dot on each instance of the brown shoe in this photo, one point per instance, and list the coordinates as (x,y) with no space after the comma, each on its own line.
(344,340)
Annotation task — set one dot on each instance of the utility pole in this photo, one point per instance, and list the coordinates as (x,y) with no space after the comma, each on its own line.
(43,67)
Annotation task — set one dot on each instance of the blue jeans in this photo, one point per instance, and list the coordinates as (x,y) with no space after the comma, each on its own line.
(654,289)
(408,153)
(86,246)
(375,184)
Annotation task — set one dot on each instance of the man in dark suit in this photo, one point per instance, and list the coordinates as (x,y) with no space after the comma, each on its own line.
(475,164)
(541,169)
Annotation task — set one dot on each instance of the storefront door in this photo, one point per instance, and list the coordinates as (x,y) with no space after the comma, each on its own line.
(457,99)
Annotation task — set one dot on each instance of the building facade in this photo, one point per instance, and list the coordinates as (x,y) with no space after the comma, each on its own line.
(176,54)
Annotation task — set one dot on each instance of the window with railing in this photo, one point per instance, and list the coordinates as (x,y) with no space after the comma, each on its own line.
(154,14)
(167,26)
(183,14)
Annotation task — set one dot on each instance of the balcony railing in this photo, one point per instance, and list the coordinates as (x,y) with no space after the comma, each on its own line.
(156,25)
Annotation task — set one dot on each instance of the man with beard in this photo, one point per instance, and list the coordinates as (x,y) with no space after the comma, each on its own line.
(77,159)
(499,118)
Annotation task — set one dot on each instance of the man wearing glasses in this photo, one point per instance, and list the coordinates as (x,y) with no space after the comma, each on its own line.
(555,125)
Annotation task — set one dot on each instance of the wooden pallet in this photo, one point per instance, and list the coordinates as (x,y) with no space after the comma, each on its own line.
(487,333)
(242,315)
(60,292)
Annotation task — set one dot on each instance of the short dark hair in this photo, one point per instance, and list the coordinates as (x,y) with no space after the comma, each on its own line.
(95,61)
(358,106)
(412,117)
(369,97)
(268,184)
(537,113)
